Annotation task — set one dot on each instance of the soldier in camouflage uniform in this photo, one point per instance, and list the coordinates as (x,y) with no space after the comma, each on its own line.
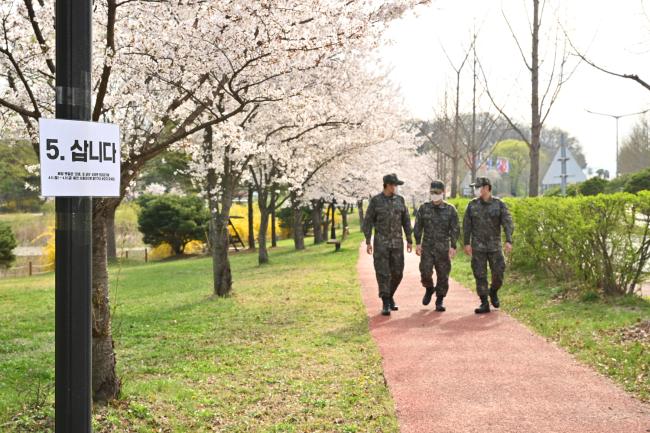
(437,221)
(484,217)
(388,214)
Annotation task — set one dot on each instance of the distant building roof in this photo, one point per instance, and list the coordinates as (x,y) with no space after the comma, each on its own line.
(554,172)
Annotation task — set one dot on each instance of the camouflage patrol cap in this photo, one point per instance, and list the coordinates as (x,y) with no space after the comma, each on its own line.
(391,179)
(481,181)
(437,185)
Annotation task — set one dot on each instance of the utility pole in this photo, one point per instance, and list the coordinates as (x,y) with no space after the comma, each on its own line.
(73,238)
(563,160)
(616,117)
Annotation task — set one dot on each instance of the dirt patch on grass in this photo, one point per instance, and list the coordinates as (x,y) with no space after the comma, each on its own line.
(639,332)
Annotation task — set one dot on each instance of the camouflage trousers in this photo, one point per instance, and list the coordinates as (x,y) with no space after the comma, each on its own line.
(480,261)
(440,260)
(389,268)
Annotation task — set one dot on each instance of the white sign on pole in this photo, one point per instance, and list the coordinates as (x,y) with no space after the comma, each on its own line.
(79,159)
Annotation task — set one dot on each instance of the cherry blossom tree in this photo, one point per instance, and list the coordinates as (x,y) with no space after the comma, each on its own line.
(167,70)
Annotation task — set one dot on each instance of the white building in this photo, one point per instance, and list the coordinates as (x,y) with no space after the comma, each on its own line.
(553,176)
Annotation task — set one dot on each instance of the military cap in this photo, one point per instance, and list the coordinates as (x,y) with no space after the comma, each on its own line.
(481,181)
(438,185)
(391,179)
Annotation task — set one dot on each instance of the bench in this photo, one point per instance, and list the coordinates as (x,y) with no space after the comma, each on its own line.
(336,243)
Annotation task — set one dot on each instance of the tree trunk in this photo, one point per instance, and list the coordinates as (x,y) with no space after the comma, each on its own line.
(222,275)
(219,217)
(474,149)
(263,254)
(296,223)
(474,169)
(316,213)
(360,211)
(536,125)
(344,220)
(533,185)
(251,222)
(106,384)
(326,224)
(111,245)
(265,213)
(274,236)
(454,177)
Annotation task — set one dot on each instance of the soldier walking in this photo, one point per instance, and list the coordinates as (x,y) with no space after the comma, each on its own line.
(437,222)
(484,217)
(388,214)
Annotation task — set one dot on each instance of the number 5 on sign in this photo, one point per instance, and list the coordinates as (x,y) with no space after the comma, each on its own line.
(79,159)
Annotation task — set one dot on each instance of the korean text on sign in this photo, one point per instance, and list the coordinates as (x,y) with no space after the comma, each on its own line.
(79,158)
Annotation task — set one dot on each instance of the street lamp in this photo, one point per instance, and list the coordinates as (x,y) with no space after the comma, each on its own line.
(616,117)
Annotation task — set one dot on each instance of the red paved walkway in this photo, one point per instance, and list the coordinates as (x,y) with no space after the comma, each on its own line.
(459,372)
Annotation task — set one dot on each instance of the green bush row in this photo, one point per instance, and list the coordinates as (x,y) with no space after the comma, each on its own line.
(602,241)
(631,182)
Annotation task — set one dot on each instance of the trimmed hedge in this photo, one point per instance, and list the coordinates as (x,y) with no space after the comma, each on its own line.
(602,241)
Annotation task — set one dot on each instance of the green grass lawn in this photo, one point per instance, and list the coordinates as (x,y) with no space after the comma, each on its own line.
(288,352)
(583,323)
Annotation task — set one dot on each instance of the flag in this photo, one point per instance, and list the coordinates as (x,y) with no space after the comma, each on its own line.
(503,165)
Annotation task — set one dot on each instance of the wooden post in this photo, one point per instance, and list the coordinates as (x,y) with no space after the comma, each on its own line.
(146,257)
(126,254)
(30,268)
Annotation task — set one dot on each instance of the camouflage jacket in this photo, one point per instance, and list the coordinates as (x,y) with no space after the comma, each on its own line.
(482,224)
(438,225)
(388,215)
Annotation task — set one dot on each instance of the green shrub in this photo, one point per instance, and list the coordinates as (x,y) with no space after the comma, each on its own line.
(285,216)
(617,184)
(593,186)
(602,241)
(173,219)
(7,245)
(638,182)
(556,191)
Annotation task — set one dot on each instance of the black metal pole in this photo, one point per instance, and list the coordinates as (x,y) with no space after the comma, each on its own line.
(73,240)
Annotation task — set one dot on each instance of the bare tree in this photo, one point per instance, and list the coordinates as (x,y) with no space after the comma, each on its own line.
(455,154)
(480,130)
(540,106)
(635,151)
(437,138)
(583,57)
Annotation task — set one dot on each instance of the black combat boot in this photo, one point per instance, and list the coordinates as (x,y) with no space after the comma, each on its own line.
(439,306)
(393,305)
(494,298)
(385,310)
(484,307)
(427,296)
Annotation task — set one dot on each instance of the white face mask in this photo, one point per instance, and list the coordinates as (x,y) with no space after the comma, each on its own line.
(436,197)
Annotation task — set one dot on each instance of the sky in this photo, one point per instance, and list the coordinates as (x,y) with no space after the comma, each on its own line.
(613,34)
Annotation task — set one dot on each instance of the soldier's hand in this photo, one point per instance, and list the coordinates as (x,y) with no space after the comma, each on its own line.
(409,248)
(369,249)
(508,247)
(452,253)
(418,250)
(468,250)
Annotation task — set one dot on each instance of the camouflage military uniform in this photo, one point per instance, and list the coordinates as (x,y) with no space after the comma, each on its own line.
(438,224)
(482,229)
(388,215)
